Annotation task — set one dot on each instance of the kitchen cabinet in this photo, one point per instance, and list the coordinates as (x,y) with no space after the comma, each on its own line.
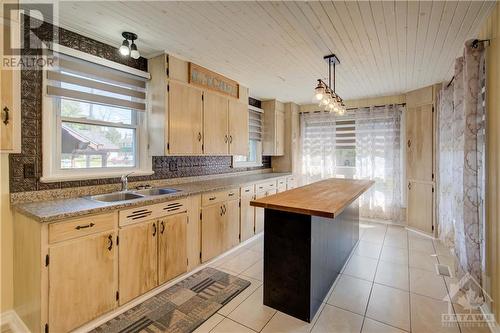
(263,190)
(420,205)
(238,128)
(420,157)
(247,212)
(137,259)
(273,143)
(225,125)
(185,119)
(10,93)
(193,231)
(220,222)
(215,124)
(291,182)
(82,280)
(281,185)
(172,247)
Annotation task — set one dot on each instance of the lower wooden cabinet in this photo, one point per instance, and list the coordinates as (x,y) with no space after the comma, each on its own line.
(231,223)
(247,218)
(172,247)
(420,205)
(137,263)
(82,280)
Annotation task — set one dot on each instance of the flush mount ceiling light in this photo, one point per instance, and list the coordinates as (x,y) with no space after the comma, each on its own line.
(129,49)
(324,94)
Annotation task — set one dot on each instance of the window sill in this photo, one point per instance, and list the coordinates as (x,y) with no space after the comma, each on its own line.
(85,175)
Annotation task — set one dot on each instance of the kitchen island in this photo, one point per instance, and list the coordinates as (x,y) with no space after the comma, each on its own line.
(309,233)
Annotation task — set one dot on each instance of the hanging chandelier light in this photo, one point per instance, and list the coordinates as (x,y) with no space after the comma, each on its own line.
(324,94)
(127,49)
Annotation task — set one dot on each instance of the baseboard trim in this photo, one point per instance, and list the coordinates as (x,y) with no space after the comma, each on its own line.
(108,316)
(15,323)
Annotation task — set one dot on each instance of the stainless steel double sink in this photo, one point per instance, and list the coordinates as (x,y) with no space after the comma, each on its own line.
(132,195)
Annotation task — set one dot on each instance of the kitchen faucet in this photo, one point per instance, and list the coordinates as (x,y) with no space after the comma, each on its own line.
(124,180)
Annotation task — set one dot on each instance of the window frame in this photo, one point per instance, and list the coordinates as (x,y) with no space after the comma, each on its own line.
(250,164)
(51,144)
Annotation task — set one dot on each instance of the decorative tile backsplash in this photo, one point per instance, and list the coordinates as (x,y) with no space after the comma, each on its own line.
(26,167)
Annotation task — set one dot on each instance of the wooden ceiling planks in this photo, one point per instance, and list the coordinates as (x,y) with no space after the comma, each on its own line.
(276,48)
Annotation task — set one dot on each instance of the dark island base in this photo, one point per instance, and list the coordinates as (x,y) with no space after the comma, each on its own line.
(303,256)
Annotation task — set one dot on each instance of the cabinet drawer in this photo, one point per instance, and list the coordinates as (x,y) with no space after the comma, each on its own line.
(291,182)
(219,196)
(144,213)
(265,186)
(247,191)
(82,226)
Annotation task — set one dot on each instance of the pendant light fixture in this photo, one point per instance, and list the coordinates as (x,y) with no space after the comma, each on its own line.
(127,49)
(324,94)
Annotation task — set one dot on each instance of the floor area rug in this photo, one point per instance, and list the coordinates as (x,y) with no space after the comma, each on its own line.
(182,307)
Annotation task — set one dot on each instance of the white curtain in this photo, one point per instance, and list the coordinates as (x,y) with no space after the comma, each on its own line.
(376,149)
(462,158)
(378,157)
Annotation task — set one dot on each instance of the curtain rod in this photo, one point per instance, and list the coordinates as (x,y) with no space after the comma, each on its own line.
(353,108)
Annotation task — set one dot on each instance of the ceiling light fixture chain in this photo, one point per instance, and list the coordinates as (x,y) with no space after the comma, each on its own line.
(324,95)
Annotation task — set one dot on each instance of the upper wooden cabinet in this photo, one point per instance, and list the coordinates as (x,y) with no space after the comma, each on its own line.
(188,120)
(238,128)
(10,92)
(215,124)
(185,115)
(419,142)
(274,128)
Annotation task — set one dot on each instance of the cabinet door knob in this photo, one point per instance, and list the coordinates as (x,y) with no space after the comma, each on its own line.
(110,241)
(162,227)
(409,143)
(409,186)
(199,136)
(154,229)
(230,139)
(221,211)
(225,138)
(5,115)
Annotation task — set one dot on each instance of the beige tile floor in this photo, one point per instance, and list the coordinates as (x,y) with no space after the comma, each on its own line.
(389,284)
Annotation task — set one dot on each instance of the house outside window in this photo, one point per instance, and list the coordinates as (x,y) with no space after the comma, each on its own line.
(97,122)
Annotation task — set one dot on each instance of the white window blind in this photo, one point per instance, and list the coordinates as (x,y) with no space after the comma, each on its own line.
(83,81)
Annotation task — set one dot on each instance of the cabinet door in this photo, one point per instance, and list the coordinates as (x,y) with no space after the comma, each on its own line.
(137,260)
(280,133)
(212,229)
(215,131)
(247,213)
(185,114)
(83,280)
(238,128)
(231,216)
(419,132)
(419,210)
(172,247)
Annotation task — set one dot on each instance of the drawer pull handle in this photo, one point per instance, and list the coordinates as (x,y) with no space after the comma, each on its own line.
(154,229)
(230,139)
(85,226)
(231,194)
(162,227)
(247,190)
(212,198)
(110,240)
(5,115)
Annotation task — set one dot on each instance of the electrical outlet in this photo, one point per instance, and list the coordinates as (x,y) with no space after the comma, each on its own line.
(29,170)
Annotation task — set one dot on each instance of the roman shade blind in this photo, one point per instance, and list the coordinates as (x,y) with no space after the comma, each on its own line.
(255,125)
(84,81)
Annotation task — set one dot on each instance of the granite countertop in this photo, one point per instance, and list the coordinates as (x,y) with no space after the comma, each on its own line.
(54,210)
(326,198)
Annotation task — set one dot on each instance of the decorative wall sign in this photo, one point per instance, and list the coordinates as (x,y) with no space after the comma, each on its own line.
(205,78)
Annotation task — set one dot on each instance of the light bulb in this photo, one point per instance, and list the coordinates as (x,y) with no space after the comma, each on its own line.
(124,49)
(319,91)
(133,51)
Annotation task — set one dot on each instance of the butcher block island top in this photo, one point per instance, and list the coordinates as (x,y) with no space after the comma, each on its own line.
(326,198)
